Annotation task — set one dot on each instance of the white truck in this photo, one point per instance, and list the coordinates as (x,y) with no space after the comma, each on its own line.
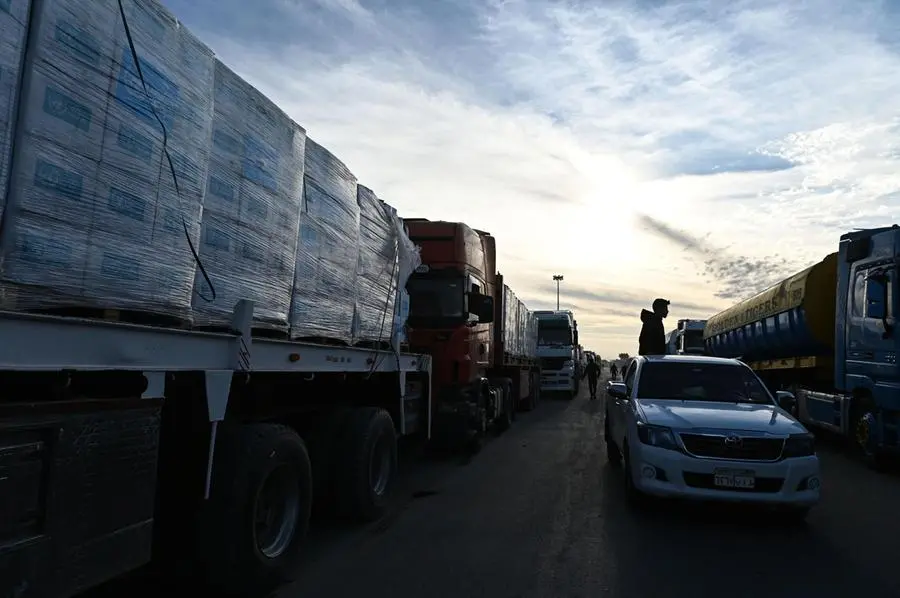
(686,338)
(558,351)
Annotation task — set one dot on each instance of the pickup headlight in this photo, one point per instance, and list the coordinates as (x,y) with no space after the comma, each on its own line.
(657,436)
(799,445)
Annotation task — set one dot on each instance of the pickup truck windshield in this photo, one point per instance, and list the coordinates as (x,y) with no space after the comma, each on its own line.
(724,383)
(554,334)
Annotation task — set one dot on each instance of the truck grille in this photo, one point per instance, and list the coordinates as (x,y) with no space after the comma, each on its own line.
(747,449)
(553,363)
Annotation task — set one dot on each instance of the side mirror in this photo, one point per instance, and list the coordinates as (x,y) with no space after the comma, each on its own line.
(482,306)
(617,389)
(786,400)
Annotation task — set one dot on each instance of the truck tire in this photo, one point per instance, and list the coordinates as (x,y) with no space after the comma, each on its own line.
(252,527)
(365,464)
(507,415)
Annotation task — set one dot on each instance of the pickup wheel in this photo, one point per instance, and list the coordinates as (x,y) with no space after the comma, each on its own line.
(366,464)
(612,451)
(252,528)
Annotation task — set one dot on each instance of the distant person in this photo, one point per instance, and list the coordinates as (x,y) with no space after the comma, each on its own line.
(613,371)
(592,371)
(653,335)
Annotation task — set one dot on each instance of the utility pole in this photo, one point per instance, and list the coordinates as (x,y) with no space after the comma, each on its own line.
(558,278)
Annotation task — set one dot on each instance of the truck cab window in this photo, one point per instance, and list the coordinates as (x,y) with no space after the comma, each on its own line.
(858,309)
(879,296)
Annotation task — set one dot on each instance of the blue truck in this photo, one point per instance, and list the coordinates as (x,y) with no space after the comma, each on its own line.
(828,335)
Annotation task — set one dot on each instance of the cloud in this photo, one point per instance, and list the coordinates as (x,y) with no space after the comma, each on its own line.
(750,133)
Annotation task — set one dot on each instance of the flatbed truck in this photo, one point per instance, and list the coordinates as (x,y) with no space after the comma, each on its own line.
(121,444)
(482,339)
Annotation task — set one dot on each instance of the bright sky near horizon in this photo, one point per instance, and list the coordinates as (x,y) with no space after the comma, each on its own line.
(695,150)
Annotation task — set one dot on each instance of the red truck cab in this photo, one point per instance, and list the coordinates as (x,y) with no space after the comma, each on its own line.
(455,300)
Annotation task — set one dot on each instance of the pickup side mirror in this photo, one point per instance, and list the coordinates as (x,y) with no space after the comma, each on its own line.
(786,400)
(617,390)
(482,306)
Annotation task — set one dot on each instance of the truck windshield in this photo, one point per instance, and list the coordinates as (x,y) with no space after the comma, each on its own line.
(692,340)
(723,383)
(433,299)
(554,334)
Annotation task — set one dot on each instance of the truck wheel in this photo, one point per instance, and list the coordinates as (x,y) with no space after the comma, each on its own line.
(505,418)
(366,464)
(862,431)
(253,526)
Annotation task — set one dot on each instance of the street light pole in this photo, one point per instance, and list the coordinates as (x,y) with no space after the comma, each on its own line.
(558,278)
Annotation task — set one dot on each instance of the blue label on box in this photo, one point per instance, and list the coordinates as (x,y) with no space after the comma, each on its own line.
(78,43)
(127,204)
(260,163)
(256,208)
(51,177)
(119,267)
(252,252)
(135,143)
(131,92)
(216,238)
(221,189)
(226,143)
(67,109)
(38,249)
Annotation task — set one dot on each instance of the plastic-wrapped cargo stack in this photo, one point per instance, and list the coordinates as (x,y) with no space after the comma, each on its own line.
(13,27)
(323,305)
(511,339)
(95,217)
(407,262)
(527,331)
(377,270)
(254,195)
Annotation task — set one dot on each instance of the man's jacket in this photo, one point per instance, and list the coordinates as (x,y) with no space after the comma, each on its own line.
(653,336)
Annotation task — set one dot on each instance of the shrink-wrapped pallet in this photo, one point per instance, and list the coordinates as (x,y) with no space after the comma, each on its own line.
(530,341)
(408,259)
(510,321)
(254,195)
(109,172)
(522,329)
(13,28)
(323,304)
(378,268)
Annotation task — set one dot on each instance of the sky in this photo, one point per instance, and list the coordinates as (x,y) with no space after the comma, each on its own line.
(697,151)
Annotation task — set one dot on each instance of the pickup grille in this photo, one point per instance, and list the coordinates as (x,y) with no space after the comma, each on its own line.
(748,449)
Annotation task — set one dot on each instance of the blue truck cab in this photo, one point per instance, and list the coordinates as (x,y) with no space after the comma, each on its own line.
(828,335)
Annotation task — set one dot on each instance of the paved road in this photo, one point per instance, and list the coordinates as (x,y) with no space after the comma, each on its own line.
(539,514)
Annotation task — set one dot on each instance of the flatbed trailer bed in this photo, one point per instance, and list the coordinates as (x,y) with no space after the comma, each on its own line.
(158,439)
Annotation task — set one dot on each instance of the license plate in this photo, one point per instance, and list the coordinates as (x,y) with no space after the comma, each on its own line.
(734,478)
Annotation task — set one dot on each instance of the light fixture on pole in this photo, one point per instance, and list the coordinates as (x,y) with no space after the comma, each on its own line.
(558,278)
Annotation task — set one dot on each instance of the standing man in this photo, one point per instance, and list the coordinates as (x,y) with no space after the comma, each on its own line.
(613,371)
(653,335)
(592,371)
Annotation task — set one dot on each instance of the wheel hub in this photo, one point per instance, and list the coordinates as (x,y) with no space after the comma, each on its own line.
(277,512)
